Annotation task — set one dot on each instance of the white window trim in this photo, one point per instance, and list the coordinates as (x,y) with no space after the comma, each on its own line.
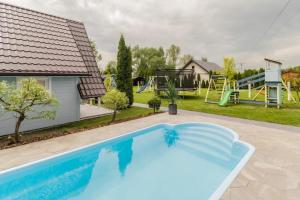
(50,84)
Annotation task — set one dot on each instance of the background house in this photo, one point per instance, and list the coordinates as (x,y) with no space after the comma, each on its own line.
(202,67)
(55,51)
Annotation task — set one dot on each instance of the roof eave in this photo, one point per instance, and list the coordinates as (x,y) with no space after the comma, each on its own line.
(189,62)
(84,96)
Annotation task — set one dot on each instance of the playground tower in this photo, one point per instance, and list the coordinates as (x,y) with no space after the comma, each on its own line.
(273,83)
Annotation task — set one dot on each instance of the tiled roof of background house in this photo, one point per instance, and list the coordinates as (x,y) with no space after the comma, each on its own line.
(208,66)
(34,43)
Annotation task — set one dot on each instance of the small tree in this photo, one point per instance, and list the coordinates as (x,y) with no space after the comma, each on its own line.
(229,67)
(206,84)
(27,102)
(115,100)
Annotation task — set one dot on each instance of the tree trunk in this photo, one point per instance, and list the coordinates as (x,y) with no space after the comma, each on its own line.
(17,128)
(114,116)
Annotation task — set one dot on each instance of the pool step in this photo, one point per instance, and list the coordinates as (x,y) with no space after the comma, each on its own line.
(214,135)
(222,159)
(209,136)
(217,130)
(209,143)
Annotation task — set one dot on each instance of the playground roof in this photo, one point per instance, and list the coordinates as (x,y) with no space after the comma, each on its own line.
(207,66)
(38,44)
(273,61)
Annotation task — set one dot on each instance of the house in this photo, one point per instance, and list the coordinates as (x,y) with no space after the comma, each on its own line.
(54,50)
(202,67)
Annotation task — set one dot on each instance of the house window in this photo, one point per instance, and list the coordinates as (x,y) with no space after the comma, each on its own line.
(43,81)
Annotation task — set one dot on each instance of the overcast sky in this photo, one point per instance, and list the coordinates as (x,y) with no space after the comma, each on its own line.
(202,28)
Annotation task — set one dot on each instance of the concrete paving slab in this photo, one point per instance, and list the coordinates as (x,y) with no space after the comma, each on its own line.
(271,173)
(88,111)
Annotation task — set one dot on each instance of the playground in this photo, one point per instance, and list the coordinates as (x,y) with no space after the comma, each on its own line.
(289,114)
(262,97)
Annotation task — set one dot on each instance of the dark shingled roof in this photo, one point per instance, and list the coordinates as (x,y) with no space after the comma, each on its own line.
(208,66)
(34,43)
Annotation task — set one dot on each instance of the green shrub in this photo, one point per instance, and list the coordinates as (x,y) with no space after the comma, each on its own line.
(154,103)
(206,84)
(203,85)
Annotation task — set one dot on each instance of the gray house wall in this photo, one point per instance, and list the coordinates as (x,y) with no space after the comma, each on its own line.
(64,89)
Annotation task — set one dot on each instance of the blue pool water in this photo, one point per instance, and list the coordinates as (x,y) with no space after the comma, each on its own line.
(165,162)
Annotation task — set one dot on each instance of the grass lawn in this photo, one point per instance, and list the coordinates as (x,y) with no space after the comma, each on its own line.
(124,115)
(289,114)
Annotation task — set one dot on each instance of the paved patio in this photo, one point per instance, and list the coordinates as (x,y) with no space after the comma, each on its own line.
(90,111)
(273,172)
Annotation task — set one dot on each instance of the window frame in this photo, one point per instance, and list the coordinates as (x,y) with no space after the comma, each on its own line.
(48,81)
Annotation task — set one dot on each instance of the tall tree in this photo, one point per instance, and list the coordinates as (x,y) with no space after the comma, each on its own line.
(124,70)
(96,52)
(111,67)
(173,55)
(229,67)
(185,58)
(147,60)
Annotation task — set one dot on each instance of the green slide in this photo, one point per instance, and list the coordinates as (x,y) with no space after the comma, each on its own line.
(226,98)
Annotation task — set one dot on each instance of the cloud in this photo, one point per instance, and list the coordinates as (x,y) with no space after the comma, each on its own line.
(206,28)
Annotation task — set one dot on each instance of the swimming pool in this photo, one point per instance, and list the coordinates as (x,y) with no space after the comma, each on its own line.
(185,161)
